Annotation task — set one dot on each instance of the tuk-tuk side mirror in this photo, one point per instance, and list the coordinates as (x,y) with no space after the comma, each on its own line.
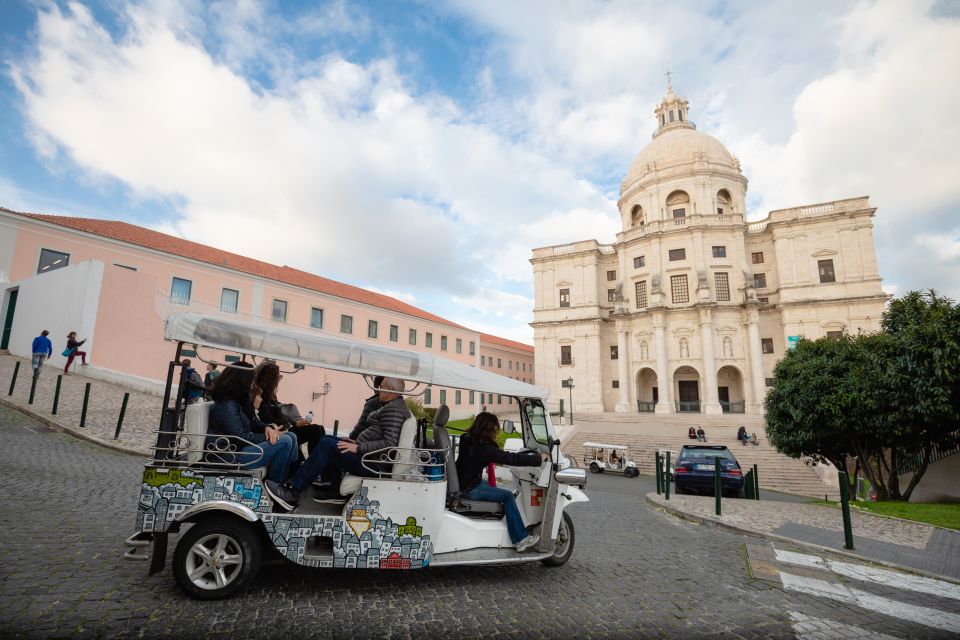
(507,426)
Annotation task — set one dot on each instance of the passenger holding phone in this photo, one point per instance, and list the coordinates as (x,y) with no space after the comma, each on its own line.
(268,379)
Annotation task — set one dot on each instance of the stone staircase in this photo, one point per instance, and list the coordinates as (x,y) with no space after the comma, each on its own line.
(648,434)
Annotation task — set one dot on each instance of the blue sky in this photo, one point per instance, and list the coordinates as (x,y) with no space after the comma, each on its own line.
(423,149)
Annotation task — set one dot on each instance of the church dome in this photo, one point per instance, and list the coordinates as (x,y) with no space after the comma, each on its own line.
(677,141)
(680,145)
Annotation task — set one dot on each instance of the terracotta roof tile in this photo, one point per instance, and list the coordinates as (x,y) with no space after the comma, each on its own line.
(126,232)
(503,342)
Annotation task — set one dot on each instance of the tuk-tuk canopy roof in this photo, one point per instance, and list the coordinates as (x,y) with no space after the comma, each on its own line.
(599,445)
(339,354)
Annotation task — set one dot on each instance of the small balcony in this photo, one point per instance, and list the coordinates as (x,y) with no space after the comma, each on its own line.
(688,407)
(646,407)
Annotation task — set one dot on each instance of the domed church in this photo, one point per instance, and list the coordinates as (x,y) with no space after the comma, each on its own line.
(690,308)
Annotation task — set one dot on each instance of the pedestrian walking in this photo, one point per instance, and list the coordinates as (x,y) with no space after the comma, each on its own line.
(42,349)
(73,350)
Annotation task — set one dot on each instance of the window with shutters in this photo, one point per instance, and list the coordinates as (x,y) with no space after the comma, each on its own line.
(679,292)
(641,289)
(677,254)
(639,261)
(566,354)
(826,271)
(721,284)
(564,297)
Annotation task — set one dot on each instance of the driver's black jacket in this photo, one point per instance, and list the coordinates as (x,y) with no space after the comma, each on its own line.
(475,456)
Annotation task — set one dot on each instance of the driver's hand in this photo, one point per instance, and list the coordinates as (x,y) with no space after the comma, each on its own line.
(544,456)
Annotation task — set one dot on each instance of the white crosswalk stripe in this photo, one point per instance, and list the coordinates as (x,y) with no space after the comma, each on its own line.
(811,628)
(865,573)
(842,593)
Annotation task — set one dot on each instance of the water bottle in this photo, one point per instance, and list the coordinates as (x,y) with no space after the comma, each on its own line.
(309,416)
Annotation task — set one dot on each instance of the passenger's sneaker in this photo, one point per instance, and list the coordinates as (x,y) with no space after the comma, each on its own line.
(331,499)
(283,494)
(527,543)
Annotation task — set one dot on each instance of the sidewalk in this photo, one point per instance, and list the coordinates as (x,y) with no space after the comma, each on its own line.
(904,544)
(142,417)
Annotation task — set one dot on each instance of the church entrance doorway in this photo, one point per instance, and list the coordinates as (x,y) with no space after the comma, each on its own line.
(730,389)
(646,390)
(688,390)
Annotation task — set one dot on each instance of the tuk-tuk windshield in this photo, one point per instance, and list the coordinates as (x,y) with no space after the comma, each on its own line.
(537,417)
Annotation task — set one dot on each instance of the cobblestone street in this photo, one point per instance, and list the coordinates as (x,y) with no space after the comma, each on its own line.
(68,505)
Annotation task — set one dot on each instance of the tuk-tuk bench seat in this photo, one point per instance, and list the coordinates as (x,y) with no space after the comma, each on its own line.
(350,483)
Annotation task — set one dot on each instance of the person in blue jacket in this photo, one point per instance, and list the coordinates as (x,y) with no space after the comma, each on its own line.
(42,349)
(233,421)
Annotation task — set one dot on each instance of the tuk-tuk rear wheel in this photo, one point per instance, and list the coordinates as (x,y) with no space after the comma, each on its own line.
(565,539)
(595,468)
(216,558)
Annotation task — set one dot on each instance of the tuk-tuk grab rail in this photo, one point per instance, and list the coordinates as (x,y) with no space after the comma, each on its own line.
(176,453)
(415,464)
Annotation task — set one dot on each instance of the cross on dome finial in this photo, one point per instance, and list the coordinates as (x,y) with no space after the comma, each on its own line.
(669,83)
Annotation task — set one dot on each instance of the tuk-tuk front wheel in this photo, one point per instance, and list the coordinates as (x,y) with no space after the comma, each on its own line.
(565,539)
(595,468)
(216,558)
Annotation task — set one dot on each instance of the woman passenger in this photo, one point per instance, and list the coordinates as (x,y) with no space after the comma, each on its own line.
(478,448)
(233,421)
(268,379)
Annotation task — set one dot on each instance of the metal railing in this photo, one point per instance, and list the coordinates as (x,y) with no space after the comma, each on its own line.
(909,462)
(739,406)
(646,407)
(688,407)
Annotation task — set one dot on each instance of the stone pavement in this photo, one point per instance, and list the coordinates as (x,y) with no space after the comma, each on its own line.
(67,506)
(141,419)
(903,543)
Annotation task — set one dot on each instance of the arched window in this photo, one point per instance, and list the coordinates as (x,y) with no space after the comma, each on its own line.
(723,202)
(677,203)
(636,216)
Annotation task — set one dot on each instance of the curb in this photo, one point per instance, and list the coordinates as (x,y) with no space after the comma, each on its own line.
(713,522)
(73,431)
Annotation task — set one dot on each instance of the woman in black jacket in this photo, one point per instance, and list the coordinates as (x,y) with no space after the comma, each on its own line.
(478,448)
(268,379)
(232,422)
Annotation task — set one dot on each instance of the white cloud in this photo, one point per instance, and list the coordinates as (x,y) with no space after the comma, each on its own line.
(406,296)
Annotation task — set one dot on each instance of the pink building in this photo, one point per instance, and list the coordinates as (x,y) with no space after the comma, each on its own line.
(506,358)
(115,283)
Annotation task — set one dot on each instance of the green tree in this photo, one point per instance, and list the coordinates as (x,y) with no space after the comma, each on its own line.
(925,391)
(829,402)
(869,401)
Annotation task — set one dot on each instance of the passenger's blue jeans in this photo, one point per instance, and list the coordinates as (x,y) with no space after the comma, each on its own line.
(486,493)
(328,461)
(276,457)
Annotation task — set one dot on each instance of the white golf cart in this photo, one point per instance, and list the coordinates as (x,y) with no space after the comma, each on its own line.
(614,458)
(410,516)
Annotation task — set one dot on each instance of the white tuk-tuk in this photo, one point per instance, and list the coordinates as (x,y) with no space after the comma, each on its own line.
(614,458)
(409,516)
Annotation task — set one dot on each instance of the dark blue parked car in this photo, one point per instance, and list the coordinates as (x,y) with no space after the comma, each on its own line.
(694,470)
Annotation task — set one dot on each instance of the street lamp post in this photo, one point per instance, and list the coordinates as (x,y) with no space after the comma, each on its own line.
(569,382)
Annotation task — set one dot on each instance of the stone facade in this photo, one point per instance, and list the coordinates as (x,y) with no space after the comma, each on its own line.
(691,292)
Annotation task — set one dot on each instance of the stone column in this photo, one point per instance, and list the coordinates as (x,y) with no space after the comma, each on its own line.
(664,383)
(756,362)
(623,366)
(709,365)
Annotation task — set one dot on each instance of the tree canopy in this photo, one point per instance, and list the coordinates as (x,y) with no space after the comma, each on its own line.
(866,401)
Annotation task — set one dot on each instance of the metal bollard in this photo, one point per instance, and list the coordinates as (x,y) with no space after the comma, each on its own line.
(667,477)
(56,394)
(756,483)
(748,485)
(845,508)
(336,427)
(123,410)
(656,470)
(86,399)
(33,388)
(717,486)
(13,381)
